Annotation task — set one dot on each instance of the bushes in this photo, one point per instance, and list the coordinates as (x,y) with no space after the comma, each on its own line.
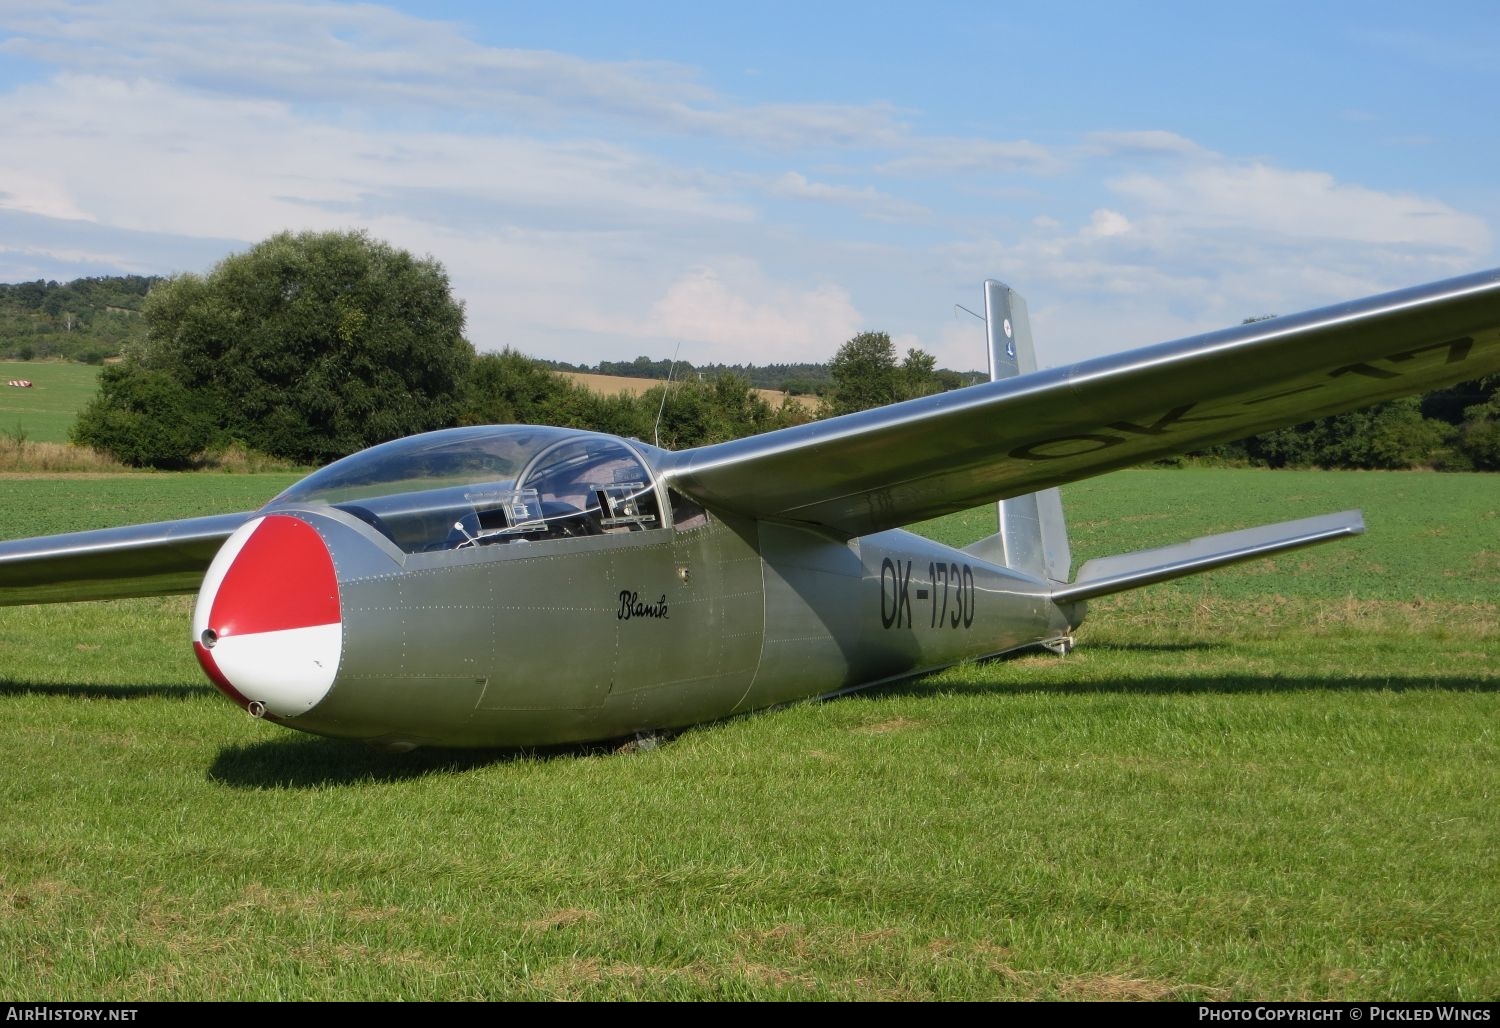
(146,419)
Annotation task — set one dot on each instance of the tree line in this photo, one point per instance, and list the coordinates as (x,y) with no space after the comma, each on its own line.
(802,379)
(86,320)
(310,346)
(1456,429)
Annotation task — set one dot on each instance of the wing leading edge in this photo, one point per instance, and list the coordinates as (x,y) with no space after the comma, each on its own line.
(887,467)
(139,560)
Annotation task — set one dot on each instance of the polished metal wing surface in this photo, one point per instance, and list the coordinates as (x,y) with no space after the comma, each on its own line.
(891,466)
(138,560)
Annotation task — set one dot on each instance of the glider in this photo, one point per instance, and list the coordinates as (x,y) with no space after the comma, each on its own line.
(525,585)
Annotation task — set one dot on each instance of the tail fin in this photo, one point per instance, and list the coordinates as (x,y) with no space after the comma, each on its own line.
(1032,536)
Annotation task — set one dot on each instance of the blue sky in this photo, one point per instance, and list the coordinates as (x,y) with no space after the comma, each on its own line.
(759,182)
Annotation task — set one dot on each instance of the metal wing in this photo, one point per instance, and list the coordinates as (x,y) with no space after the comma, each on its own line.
(139,560)
(890,466)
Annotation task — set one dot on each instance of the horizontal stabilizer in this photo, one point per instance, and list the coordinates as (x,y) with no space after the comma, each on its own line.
(139,560)
(1144,567)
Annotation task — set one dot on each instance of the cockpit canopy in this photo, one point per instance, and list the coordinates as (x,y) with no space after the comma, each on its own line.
(465,487)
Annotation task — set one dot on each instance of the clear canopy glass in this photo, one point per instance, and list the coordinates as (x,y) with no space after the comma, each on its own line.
(466,487)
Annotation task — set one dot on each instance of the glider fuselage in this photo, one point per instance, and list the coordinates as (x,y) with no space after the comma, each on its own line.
(552,640)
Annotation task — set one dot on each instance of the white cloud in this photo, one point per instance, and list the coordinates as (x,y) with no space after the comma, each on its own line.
(959,342)
(368,56)
(1302,205)
(868,200)
(22,189)
(198,166)
(1105,222)
(937,155)
(1149,142)
(753,319)
(1214,241)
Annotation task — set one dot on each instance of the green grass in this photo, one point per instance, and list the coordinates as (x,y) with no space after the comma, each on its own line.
(1269,784)
(1429,534)
(46,411)
(46,504)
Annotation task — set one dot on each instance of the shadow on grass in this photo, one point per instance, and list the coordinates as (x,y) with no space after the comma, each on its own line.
(78,691)
(305,762)
(1182,685)
(1184,647)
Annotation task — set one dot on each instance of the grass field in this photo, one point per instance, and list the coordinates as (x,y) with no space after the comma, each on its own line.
(1276,781)
(47,410)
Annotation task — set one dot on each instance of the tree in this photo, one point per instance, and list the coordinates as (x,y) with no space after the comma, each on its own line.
(864,374)
(1479,435)
(307,346)
(698,413)
(152,420)
(1389,435)
(1400,437)
(509,388)
(919,375)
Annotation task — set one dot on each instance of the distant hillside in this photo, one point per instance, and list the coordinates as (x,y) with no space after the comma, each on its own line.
(610,385)
(85,320)
(795,379)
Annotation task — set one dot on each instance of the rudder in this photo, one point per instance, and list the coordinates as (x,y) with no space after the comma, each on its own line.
(1032,536)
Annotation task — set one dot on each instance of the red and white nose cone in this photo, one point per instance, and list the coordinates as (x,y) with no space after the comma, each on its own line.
(266,627)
